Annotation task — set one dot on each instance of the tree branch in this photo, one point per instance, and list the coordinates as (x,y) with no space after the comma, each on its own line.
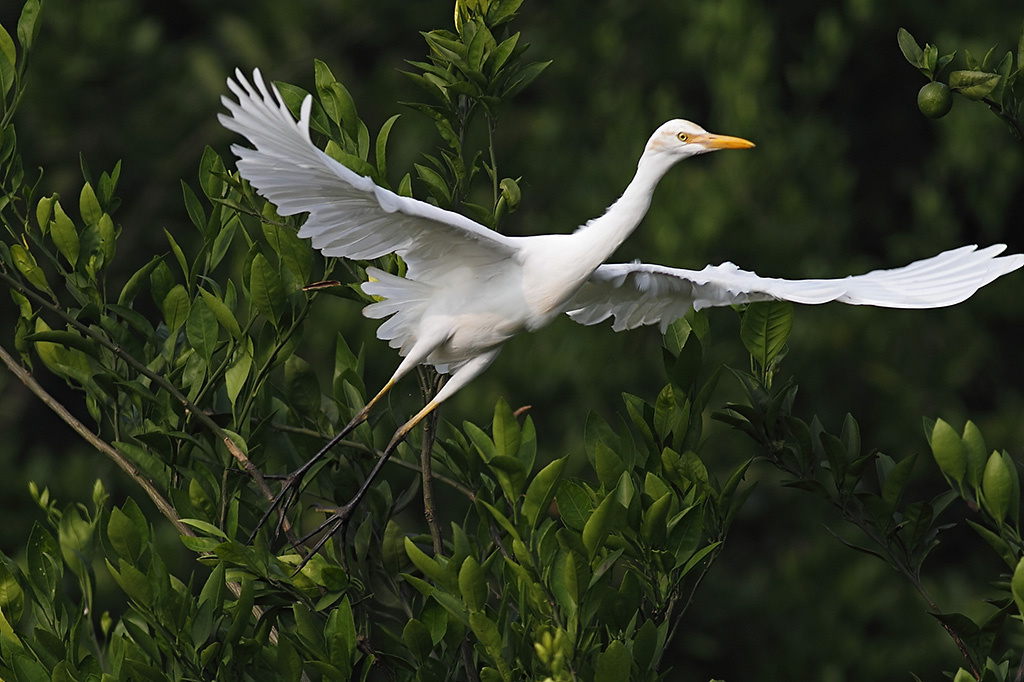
(110,451)
(155,377)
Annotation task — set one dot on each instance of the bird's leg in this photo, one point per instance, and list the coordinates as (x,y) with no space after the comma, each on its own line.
(341,515)
(291,482)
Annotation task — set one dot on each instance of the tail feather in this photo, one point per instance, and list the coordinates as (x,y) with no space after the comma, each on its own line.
(403,302)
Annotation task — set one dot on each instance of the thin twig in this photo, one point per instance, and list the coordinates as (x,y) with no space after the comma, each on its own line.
(429,382)
(121,461)
(155,377)
(81,429)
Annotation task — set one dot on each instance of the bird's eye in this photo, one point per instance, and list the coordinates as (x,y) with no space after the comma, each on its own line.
(683,137)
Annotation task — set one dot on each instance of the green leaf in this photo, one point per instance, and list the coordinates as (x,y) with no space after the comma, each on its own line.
(26,264)
(195,209)
(135,282)
(676,335)
(655,518)
(64,234)
(294,253)
(502,11)
(506,430)
(380,149)
(238,371)
(1017,586)
(996,487)
(911,50)
(124,535)
(29,670)
(948,451)
(976,453)
(524,77)
(511,193)
(417,638)
(7,49)
(336,100)
(205,526)
(89,206)
(541,491)
(44,209)
(480,439)
(222,313)
(134,583)
(242,612)
(1006,553)
(608,464)
(486,630)
(341,636)
(699,556)
(12,597)
(436,184)
(28,24)
(211,172)
(44,566)
(201,329)
(223,239)
(266,290)
(974,85)
(179,255)
(68,339)
(108,237)
(897,480)
(214,588)
(649,642)
(472,585)
(600,524)
(511,475)
(430,567)
(574,504)
(500,518)
(765,328)
(613,664)
(7,78)
(176,308)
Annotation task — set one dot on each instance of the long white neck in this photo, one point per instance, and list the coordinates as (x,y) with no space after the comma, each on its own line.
(602,236)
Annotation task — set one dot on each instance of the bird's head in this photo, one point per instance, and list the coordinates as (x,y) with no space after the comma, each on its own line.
(678,139)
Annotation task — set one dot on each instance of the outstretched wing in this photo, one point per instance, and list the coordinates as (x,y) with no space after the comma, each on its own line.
(349,215)
(636,294)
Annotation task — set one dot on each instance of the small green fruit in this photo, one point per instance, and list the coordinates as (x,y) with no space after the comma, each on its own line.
(935,100)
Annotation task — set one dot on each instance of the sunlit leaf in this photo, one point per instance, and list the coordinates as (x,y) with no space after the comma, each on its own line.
(542,489)
(973,84)
(911,50)
(765,328)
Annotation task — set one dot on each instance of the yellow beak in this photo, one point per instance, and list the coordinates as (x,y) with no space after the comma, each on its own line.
(712,141)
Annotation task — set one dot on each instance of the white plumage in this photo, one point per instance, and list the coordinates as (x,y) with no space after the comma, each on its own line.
(468,289)
(636,294)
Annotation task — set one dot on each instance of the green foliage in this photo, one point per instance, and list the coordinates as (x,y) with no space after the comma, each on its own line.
(191,365)
(996,81)
(192,373)
(871,492)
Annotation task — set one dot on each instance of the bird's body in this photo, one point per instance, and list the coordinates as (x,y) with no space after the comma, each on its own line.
(467,289)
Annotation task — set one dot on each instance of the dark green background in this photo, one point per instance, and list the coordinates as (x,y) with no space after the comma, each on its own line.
(847,176)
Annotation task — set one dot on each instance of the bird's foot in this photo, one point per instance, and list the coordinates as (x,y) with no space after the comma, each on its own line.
(290,485)
(337,521)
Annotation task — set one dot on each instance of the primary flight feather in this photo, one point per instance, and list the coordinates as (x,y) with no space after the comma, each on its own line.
(468,289)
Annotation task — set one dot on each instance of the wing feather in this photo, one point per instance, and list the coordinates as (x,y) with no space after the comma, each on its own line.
(636,294)
(349,215)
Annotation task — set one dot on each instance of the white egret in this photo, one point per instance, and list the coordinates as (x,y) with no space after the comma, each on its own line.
(467,289)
